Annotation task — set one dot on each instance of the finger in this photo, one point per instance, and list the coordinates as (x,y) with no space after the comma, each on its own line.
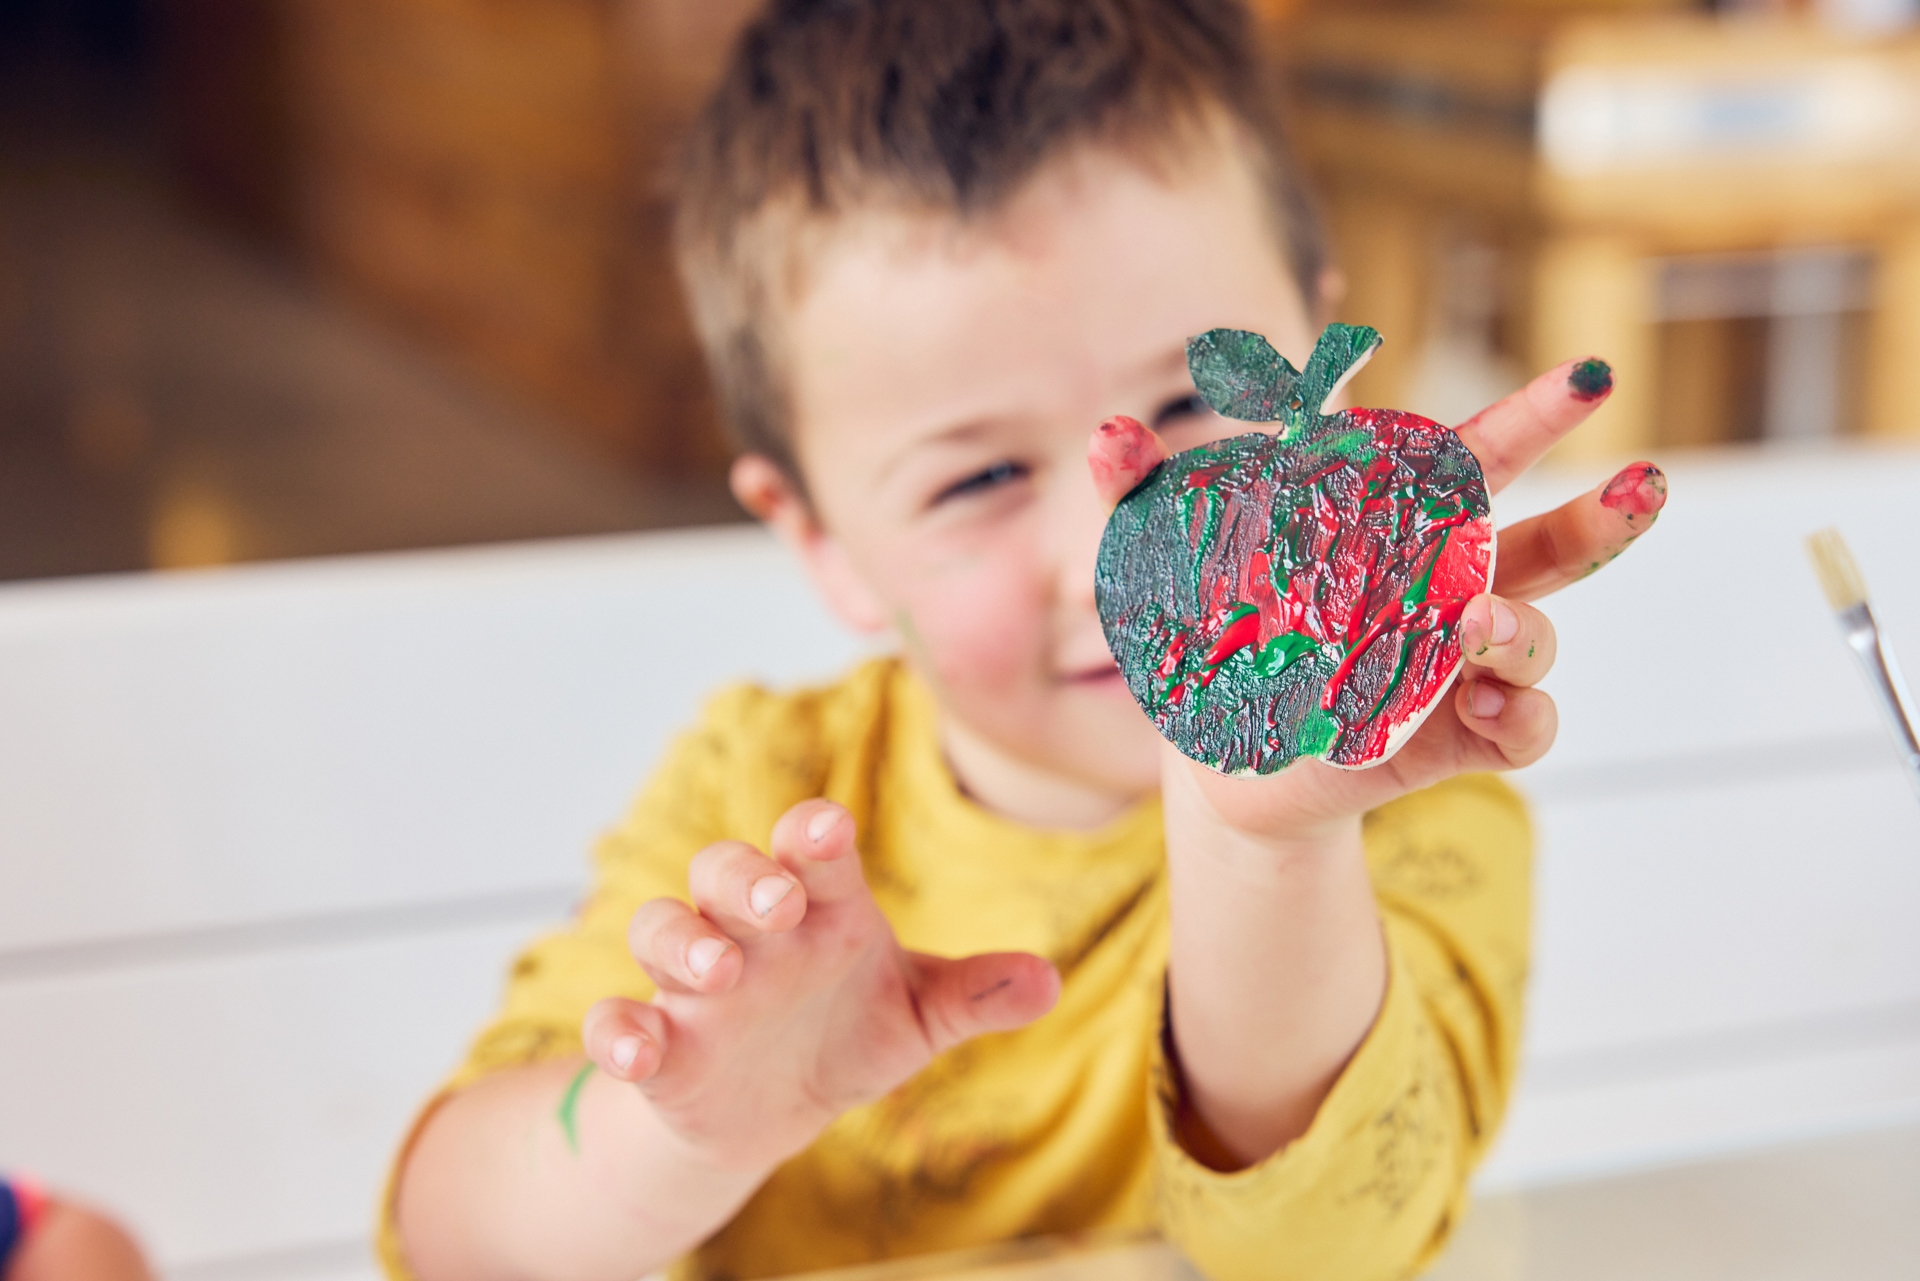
(681,950)
(1540,555)
(992,992)
(625,1039)
(1510,436)
(1121,454)
(815,842)
(743,891)
(1520,723)
(1508,641)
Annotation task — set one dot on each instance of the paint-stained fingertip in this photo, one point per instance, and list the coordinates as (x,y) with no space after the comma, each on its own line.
(1590,379)
(1121,454)
(1639,489)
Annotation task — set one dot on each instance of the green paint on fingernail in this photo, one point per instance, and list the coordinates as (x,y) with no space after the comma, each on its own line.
(1591,379)
(570,1106)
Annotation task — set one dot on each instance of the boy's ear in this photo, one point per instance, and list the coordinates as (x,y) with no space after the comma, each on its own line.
(765,490)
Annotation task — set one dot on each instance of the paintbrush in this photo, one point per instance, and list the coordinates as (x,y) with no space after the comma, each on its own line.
(1847,593)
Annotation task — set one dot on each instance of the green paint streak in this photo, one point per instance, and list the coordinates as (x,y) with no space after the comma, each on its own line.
(1317,733)
(1282,652)
(1417,593)
(570,1106)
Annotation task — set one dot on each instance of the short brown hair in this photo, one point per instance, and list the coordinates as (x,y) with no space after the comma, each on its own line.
(947,105)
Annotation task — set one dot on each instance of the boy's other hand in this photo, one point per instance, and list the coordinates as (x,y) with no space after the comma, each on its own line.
(1495,719)
(785,999)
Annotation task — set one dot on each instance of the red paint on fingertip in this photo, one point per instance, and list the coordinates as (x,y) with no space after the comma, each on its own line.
(1639,490)
(1121,454)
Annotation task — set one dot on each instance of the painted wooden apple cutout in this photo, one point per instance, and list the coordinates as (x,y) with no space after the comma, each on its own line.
(1295,594)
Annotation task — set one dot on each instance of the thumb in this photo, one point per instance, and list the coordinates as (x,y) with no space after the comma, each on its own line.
(1120,455)
(992,992)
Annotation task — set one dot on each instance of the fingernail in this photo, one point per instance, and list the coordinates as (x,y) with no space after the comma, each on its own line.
(703,955)
(1505,624)
(767,893)
(1639,490)
(1486,700)
(1591,379)
(1473,633)
(625,1051)
(822,823)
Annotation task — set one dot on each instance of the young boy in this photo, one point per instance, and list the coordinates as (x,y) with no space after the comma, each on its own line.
(930,245)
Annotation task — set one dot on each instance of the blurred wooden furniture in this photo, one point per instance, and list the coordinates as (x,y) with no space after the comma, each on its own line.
(491,170)
(1598,150)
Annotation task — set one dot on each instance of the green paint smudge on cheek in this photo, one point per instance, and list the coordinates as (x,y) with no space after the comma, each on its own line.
(568,1112)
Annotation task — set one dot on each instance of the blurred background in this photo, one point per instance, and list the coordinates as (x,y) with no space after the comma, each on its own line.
(293,277)
(282,280)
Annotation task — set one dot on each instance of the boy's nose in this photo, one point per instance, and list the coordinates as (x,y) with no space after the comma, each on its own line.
(1082,520)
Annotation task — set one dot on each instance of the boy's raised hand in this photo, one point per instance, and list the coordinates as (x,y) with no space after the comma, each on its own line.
(1496,718)
(785,999)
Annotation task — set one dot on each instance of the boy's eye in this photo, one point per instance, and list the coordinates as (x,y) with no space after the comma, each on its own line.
(989,478)
(1184,407)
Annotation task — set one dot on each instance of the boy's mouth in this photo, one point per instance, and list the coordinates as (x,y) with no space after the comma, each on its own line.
(1098,677)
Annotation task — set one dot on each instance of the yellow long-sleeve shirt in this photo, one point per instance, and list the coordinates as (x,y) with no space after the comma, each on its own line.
(1066,1124)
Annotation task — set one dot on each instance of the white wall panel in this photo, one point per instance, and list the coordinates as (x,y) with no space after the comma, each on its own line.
(185,751)
(1711,635)
(241,1105)
(1667,915)
(1658,1113)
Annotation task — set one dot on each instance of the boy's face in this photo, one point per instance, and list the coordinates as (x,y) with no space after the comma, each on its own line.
(945,379)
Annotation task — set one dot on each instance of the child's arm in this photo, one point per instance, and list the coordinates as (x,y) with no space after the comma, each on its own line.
(783,1000)
(63,1241)
(1278,967)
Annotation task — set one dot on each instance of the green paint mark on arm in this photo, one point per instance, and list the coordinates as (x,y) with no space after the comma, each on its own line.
(570,1106)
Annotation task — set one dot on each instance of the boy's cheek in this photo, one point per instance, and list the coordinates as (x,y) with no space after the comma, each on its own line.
(980,627)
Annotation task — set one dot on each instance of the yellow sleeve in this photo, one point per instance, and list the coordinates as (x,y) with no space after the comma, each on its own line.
(1375,1185)
(751,756)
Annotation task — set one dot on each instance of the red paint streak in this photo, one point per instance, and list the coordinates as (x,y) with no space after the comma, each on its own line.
(1201,477)
(1389,617)
(1640,490)
(1348,545)
(1240,633)
(1121,454)
(1176,654)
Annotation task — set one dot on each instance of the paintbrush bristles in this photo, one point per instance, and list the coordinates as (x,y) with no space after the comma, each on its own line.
(1839,576)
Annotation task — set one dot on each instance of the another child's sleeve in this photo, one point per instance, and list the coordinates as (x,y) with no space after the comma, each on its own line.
(1376,1184)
